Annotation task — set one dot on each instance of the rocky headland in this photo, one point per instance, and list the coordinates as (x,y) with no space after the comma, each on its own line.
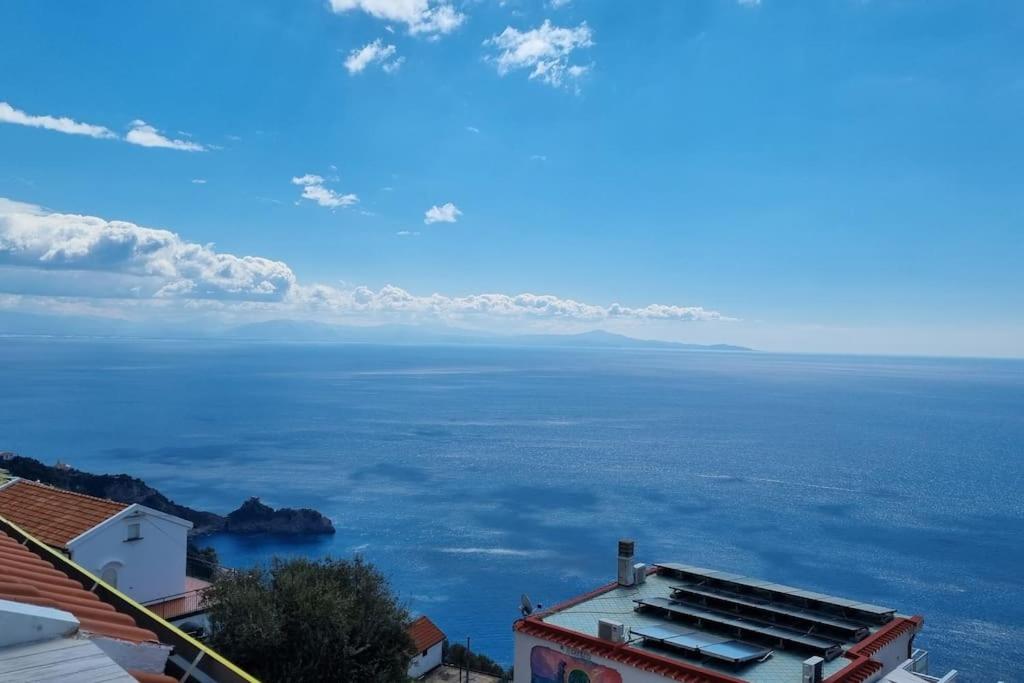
(252,517)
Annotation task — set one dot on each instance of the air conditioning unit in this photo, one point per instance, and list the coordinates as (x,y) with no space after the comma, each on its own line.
(612,631)
(813,670)
(639,573)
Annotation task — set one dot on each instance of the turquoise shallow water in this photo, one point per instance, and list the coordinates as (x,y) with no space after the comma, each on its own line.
(473,474)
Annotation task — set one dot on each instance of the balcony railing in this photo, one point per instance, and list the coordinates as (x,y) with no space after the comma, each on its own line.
(178,605)
(918,665)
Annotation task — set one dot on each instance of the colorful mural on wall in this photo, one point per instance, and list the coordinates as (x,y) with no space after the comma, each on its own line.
(552,666)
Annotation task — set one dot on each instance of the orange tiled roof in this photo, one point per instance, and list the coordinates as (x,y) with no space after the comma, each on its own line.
(424,634)
(143,677)
(27,578)
(899,626)
(53,515)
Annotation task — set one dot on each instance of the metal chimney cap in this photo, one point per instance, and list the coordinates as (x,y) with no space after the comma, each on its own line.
(626,547)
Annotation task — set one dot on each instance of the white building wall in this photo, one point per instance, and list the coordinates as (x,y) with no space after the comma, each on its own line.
(892,655)
(148,568)
(421,664)
(524,645)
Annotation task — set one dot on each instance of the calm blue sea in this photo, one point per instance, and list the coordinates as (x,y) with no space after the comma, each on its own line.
(474,474)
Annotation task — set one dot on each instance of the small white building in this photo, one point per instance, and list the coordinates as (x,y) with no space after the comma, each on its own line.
(674,622)
(138,550)
(428,641)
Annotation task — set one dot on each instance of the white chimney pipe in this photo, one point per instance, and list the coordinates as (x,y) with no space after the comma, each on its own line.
(626,574)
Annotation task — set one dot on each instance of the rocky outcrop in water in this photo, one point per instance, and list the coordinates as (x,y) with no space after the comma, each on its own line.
(256,518)
(253,517)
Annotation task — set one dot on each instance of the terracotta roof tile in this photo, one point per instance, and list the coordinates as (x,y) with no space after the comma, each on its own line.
(857,671)
(144,677)
(26,578)
(424,634)
(899,626)
(53,515)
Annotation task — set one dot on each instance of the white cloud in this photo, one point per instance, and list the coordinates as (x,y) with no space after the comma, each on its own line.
(170,266)
(314,190)
(446,213)
(395,300)
(472,129)
(538,157)
(408,233)
(749,3)
(375,52)
(61,124)
(140,133)
(421,17)
(145,135)
(199,181)
(393,66)
(558,4)
(544,50)
(124,264)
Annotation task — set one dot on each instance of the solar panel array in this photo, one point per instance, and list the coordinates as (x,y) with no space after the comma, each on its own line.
(702,644)
(783,595)
(779,614)
(742,627)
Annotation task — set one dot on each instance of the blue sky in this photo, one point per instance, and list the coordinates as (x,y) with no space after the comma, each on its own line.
(825,175)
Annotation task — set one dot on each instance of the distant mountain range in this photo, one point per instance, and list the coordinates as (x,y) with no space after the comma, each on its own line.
(294,330)
(13,323)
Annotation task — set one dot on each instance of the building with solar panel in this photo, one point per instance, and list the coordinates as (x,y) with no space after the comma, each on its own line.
(674,622)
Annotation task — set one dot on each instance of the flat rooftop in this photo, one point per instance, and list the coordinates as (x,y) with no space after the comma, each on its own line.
(741,627)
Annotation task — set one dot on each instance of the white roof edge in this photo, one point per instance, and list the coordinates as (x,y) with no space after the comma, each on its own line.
(24,623)
(130,510)
(181,521)
(7,483)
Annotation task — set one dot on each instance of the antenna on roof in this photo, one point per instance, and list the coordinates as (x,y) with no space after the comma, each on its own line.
(525,606)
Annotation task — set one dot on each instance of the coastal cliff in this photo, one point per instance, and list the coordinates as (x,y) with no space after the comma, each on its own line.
(252,517)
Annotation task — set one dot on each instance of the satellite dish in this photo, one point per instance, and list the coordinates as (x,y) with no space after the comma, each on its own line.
(525,606)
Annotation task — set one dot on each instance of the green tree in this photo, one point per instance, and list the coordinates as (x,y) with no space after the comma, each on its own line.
(201,561)
(302,620)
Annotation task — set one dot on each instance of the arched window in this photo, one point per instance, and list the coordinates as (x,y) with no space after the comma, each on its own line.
(109,573)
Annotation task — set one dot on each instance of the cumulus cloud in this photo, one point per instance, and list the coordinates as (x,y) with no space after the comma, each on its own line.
(139,133)
(145,135)
(61,124)
(421,17)
(161,267)
(199,181)
(446,213)
(545,51)
(395,300)
(313,188)
(32,237)
(373,53)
